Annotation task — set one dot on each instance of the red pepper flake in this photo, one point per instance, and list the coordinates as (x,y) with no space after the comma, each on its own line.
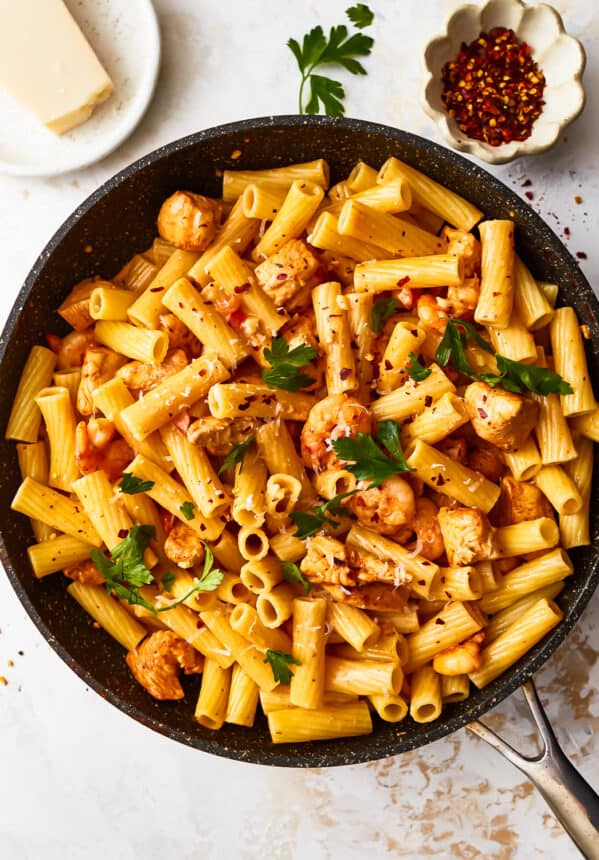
(578,199)
(581,255)
(403,281)
(482,413)
(567,232)
(494,89)
(527,183)
(123,533)
(529,194)
(345,373)
(241,289)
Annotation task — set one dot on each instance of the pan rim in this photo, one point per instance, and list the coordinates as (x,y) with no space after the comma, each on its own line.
(338,752)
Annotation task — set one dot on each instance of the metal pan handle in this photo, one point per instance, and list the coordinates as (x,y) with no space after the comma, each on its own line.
(571,798)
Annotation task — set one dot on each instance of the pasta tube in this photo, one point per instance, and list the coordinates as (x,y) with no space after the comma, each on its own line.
(25,416)
(243,698)
(571,362)
(109,614)
(296,725)
(211,706)
(58,511)
(332,327)
(396,236)
(308,680)
(412,397)
(52,555)
(438,270)
(425,699)
(574,528)
(300,204)
(494,307)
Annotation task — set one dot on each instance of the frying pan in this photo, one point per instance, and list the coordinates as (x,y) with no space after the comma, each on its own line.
(107,229)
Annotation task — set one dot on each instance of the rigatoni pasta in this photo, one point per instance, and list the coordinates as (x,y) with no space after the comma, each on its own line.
(299,469)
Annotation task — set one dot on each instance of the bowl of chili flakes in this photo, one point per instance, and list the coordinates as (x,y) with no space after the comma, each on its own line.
(504,79)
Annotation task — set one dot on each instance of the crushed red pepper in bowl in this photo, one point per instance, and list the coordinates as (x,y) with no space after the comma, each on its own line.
(494,89)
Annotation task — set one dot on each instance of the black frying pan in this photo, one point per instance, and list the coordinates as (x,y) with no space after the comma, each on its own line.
(118,220)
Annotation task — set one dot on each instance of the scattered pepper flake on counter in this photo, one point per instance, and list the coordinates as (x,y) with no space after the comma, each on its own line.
(494,89)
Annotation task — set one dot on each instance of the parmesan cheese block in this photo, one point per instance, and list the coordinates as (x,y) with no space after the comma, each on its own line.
(47,64)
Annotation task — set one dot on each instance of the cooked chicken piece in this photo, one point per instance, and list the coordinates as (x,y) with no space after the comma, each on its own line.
(429,540)
(301,329)
(467,535)
(97,448)
(466,246)
(455,447)
(520,501)
(189,221)
(99,365)
(326,562)
(179,336)
(219,435)
(461,301)
(501,417)
(141,377)
(488,460)
(375,596)
(284,273)
(85,572)
(156,663)
(184,546)
(460,659)
(75,308)
(368,568)
(70,350)
(430,314)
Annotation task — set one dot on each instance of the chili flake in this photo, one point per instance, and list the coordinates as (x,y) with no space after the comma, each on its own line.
(494,89)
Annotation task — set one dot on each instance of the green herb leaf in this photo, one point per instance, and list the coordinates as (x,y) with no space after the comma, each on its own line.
(236,455)
(340,49)
(284,362)
(210,579)
(187,509)
(382,310)
(279,663)
(452,348)
(360,15)
(294,576)
(132,485)
(416,370)
(127,572)
(529,377)
(365,459)
(308,524)
(168,580)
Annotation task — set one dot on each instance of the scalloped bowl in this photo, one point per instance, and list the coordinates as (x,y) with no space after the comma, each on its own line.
(561,58)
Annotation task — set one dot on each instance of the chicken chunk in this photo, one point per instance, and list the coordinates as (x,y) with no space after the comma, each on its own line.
(99,365)
(467,535)
(465,245)
(460,659)
(520,501)
(179,336)
(85,572)
(183,546)
(157,661)
(189,221)
(488,460)
(326,562)
(142,377)
(284,273)
(375,596)
(501,417)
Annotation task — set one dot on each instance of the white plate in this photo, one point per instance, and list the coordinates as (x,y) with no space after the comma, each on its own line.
(125,36)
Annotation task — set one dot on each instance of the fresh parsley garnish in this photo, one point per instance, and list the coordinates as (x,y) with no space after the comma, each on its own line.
(308,524)
(416,370)
(366,460)
(168,580)
(284,364)
(132,485)
(382,310)
(279,663)
(340,49)
(519,378)
(187,509)
(513,375)
(126,572)
(360,15)
(236,455)
(294,576)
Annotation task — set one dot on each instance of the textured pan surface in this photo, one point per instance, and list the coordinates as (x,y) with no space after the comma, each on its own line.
(119,219)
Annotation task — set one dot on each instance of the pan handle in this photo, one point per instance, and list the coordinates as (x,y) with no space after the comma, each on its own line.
(571,798)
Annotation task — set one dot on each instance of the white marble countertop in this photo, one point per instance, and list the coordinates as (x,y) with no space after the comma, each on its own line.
(81,780)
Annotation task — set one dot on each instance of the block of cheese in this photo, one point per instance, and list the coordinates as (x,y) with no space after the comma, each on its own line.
(47,64)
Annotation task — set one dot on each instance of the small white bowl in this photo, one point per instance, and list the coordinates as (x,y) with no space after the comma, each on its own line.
(560,57)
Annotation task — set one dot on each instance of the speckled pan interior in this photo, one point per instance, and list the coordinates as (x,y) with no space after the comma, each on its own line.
(115,222)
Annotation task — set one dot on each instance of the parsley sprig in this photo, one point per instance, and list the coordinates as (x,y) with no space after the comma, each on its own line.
(280,663)
(308,524)
(187,509)
(126,572)
(417,371)
(340,49)
(366,460)
(284,364)
(293,575)
(513,375)
(132,485)
(236,455)
(382,310)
